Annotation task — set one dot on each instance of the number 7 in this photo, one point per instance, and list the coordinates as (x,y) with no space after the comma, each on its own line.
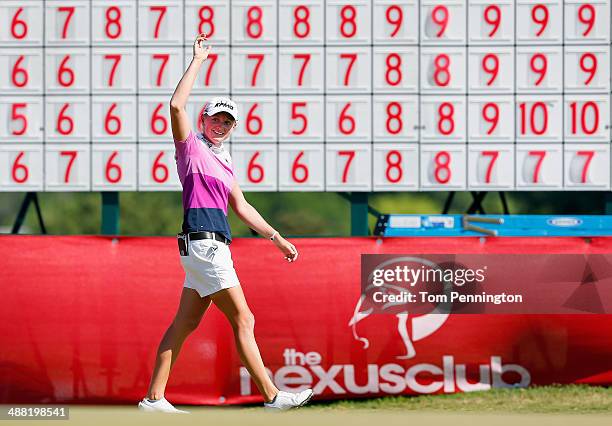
(350,155)
(111,75)
(589,156)
(164,58)
(70,11)
(536,170)
(352,58)
(162,13)
(306,58)
(212,60)
(259,58)
(72,155)
(493,155)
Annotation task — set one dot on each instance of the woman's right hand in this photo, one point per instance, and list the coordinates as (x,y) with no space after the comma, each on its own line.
(199,51)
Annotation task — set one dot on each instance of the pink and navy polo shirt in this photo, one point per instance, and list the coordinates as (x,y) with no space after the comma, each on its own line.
(207,176)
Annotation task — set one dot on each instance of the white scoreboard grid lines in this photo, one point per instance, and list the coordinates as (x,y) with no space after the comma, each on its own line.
(334,95)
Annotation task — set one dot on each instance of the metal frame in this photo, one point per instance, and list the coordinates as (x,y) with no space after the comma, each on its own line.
(110,213)
(476,206)
(31,197)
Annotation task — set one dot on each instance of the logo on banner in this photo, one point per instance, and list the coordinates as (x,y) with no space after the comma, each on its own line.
(325,373)
(422,326)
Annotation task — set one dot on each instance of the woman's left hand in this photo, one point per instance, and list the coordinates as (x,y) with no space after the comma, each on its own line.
(288,249)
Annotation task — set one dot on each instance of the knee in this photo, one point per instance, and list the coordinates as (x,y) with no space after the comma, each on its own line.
(244,321)
(185,325)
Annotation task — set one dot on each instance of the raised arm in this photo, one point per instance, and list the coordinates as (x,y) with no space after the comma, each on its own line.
(178,116)
(251,217)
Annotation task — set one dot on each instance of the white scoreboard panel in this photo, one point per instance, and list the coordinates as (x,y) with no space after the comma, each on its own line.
(359,95)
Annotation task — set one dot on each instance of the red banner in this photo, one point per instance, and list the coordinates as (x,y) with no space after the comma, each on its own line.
(81,318)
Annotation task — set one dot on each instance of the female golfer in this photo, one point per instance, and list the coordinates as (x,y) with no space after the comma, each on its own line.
(206,173)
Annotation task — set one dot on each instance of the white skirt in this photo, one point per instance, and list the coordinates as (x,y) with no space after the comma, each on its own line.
(209,267)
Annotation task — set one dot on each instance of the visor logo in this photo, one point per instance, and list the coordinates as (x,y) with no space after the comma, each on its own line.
(223,104)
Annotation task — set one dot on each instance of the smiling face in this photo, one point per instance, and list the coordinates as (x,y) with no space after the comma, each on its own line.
(218,127)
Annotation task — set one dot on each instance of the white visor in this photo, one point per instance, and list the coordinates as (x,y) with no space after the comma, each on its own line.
(221,104)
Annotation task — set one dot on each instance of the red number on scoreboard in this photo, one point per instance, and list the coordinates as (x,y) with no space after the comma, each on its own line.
(442,75)
(252,167)
(160,166)
(350,155)
(65,75)
(493,155)
(15,115)
(446,122)
(61,119)
(584,109)
(297,166)
(162,67)
(587,162)
(254,26)
(490,65)
(532,110)
(17,166)
(536,171)
(352,57)
(112,123)
(345,118)
(157,119)
(539,65)
(440,17)
(206,15)
(442,172)
(395,16)
(301,26)
(305,57)
(254,123)
(393,75)
(348,21)
(69,10)
(539,15)
(394,162)
(259,58)
(295,115)
(394,122)
(19,27)
(19,76)
(492,15)
(113,22)
(588,64)
(490,114)
(161,10)
(587,15)
(212,60)
(111,76)
(73,156)
(113,167)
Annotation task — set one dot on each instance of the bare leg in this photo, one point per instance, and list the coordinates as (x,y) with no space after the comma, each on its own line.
(190,311)
(232,303)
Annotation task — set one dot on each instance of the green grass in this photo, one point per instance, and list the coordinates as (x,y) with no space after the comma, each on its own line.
(537,406)
(577,399)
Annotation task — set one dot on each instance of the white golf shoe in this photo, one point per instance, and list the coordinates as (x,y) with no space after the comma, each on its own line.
(159,406)
(288,400)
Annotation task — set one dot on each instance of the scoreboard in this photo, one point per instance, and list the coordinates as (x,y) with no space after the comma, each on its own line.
(360,95)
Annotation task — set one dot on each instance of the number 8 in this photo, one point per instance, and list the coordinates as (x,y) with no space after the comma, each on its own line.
(442,161)
(255,16)
(394,161)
